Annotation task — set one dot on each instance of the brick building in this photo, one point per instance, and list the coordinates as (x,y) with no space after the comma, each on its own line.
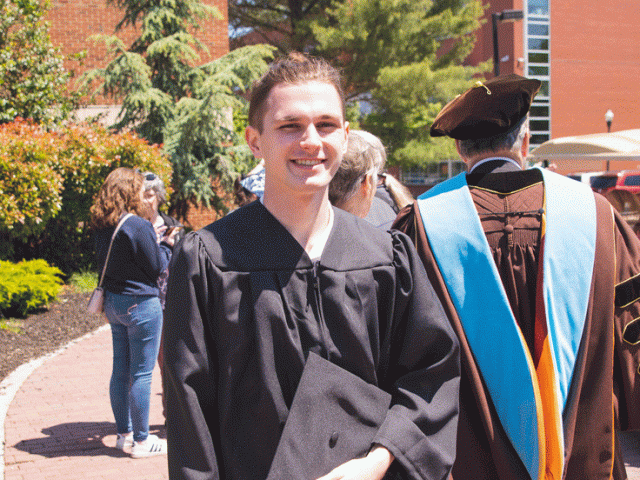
(587,55)
(73,22)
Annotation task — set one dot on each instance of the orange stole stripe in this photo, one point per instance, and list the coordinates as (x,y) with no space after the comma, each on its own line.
(553,457)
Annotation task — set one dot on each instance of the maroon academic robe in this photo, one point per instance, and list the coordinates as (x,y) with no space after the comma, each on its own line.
(604,391)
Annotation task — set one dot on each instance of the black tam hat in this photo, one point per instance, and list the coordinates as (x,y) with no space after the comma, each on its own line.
(486,109)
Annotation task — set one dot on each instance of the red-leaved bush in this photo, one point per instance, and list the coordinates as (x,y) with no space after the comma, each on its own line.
(48,180)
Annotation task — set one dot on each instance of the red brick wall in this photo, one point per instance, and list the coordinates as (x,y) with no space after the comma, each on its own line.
(198,216)
(72,22)
(595,47)
(595,65)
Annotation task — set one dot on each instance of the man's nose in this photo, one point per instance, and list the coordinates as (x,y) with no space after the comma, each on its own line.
(310,138)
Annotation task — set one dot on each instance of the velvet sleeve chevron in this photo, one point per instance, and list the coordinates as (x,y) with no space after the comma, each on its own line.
(627,294)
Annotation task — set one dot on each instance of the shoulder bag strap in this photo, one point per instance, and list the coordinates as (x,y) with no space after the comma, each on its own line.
(106,260)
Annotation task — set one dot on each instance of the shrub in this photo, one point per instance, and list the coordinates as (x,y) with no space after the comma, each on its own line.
(30,195)
(62,171)
(27,286)
(84,281)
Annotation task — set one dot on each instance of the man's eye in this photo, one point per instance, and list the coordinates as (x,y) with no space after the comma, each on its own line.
(288,126)
(327,126)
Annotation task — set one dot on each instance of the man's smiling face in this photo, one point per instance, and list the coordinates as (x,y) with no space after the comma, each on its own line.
(303,137)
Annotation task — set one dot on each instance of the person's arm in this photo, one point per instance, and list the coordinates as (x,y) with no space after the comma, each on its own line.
(173,222)
(405,222)
(423,376)
(150,256)
(189,382)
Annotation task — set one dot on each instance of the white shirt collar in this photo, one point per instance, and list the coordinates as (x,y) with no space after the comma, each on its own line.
(491,159)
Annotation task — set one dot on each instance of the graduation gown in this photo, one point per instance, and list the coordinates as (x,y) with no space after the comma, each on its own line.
(603,390)
(280,367)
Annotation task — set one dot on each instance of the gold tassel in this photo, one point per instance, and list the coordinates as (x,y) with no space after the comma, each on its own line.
(479,84)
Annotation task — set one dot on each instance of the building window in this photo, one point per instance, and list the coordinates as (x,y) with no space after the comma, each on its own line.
(536,43)
(538,7)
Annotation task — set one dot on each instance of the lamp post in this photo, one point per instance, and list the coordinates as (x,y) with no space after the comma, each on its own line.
(503,16)
(608,117)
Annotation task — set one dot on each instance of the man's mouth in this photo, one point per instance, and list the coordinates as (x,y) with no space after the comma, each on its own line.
(307,162)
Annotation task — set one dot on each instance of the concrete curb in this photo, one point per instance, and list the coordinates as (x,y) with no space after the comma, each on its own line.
(12,383)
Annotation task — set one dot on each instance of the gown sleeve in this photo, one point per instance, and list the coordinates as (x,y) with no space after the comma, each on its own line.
(189,368)
(423,376)
(405,221)
(627,324)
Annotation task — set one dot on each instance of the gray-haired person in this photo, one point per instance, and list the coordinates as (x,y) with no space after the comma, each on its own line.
(155,195)
(354,184)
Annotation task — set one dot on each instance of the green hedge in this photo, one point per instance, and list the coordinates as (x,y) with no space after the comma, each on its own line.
(27,286)
(48,180)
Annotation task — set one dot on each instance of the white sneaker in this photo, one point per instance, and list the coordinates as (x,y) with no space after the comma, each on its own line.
(124,440)
(149,447)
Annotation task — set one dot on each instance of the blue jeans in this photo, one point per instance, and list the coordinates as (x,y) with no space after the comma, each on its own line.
(136,324)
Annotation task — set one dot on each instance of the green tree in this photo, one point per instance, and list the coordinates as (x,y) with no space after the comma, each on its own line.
(282,23)
(33,79)
(201,139)
(402,60)
(168,99)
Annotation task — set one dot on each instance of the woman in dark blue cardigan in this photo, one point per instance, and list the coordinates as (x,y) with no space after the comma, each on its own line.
(131,303)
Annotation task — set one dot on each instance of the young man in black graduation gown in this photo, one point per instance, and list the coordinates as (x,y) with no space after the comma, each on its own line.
(302,342)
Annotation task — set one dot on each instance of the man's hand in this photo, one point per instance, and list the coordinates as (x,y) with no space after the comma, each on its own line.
(372,467)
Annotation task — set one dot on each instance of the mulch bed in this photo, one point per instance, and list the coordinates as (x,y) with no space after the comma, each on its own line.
(47,330)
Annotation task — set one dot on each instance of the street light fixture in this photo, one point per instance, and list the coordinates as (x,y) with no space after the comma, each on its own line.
(503,16)
(608,117)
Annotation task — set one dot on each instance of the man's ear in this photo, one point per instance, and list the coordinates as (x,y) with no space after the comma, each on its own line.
(346,139)
(252,136)
(524,150)
(458,147)
(462,157)
(367,185)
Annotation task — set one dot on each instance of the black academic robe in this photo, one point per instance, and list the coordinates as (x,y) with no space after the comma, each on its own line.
(383,210)
(270,355)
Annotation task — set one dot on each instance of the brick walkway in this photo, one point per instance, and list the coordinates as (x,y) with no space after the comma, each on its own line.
(59,425)
(631,447)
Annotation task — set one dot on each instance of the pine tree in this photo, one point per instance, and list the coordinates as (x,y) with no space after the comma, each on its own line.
(33,79)
(168,99)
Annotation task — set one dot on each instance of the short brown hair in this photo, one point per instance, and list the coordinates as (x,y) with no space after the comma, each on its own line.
(120,193)
(294,68)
